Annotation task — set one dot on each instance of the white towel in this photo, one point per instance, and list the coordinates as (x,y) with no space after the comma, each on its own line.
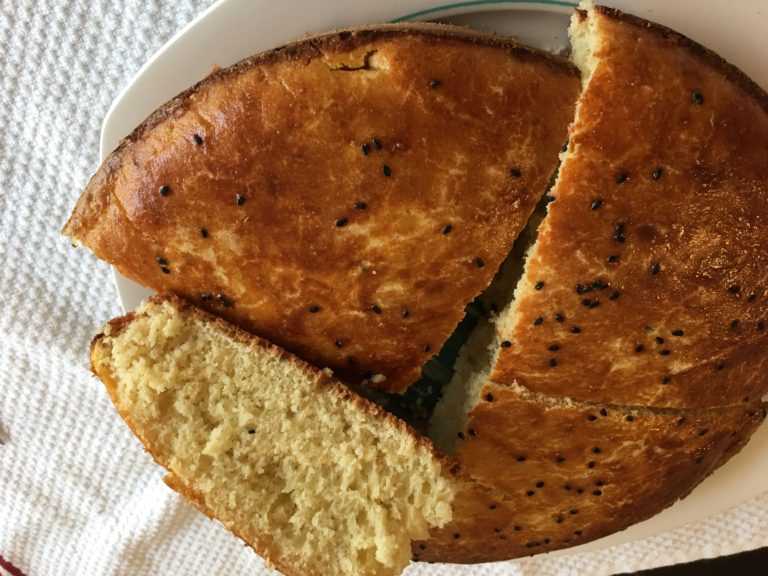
(78,495)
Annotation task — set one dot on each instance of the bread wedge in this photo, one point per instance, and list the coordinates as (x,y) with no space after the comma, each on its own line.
(316,479)
(648,284)
(344,196)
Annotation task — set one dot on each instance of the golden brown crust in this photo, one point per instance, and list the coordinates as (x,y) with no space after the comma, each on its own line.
(656,247)
(572,474)
(363,291)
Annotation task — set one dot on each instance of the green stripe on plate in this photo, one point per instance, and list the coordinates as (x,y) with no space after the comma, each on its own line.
(443,7)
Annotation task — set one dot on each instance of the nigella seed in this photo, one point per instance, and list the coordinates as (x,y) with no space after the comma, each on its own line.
(613,259)
(573,511)
(614,296)
(599,285)
(656,174)
(567,487)
(619,228)
(251,431)
(734,288)
(492,506)
(677,332)
(553,362)
(577,532)
(405,313)
(665,352)
(559,458)
(198,139)
(479,262)
(591,464)
(506,344)
(582,289)
(735,324)
(619,238)
(575,330)
(226,302)
(365,148)
(340,222)
(596,450)
(559,317)
(595,204)
(386,171)
(515,172)
(164,190)
(680,421)
(639,348)
(338,343)
(538,321)
(580,490)
(521,458)
(206,297)
(161,261)
(489,397)
(549,198)
(622,177)
(590,303)
(559,519)
(165,269)
(540,484)
(375,309)
(203,233)
(447,229)
(659,340)
(314,309)
(456,535)
(655,268)
(472,432)
(360,205)
(751,297)
(240,199)
(665,380)
(546,540)
(597,492)
(376,143)
(703,431)
(629,418)
(460,435)
(720,366)
(697,97)
(599,483)
(530,492)
(434,83)
(427,348)
(539,285)
(761,325)
(591,417)
(603,412)
(553,348)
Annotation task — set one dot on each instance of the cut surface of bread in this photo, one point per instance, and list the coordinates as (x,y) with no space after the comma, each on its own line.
(344,196)
(313,477)
(648,284)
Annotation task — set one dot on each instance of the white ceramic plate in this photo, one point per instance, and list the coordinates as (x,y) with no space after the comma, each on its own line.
(233,29)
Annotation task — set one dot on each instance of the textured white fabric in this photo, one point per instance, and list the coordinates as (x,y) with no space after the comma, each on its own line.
(77,493)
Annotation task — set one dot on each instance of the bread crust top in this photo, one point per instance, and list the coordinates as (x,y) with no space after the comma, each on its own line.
(653,258)
(344,196)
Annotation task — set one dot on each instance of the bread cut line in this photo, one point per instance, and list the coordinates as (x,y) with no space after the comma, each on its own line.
(620,365)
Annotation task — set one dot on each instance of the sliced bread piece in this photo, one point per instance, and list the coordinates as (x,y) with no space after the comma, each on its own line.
(344,196)
(316,479)
(569,471)
(648,284)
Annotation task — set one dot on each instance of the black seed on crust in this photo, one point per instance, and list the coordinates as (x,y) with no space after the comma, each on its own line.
(553,362)
(521,458)
(206,297)
(479,262)
(515,172)
(575,329)
(360,205)
(613,258)
(697,97)
(735,323)
(615,295)
(591,417)
(386,171)
(559,317)
(489,397)
(553,348)
(338,343)
(165,269)
(539,285)
(376,309)
(639,348)
(314,309)
(659,340)
(164,190)
(446,229)
(240,200)
(434,83)
(656,174)
(603,412)
(622,177)
(761,325)
(665,352)
(540,484)
(538,321)
(198,139)
(506,344)
(677,332)
(161,261)
(629,418)
(655,268)
(365,148)
(734,288)
(596,204)
(405,313)
(203,233)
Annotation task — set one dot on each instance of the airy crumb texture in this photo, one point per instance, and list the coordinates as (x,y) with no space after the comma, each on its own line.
(313,477)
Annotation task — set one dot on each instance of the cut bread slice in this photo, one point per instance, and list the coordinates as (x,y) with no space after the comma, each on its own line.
(570,471)
(648,284)
(344,196)
(316,479)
